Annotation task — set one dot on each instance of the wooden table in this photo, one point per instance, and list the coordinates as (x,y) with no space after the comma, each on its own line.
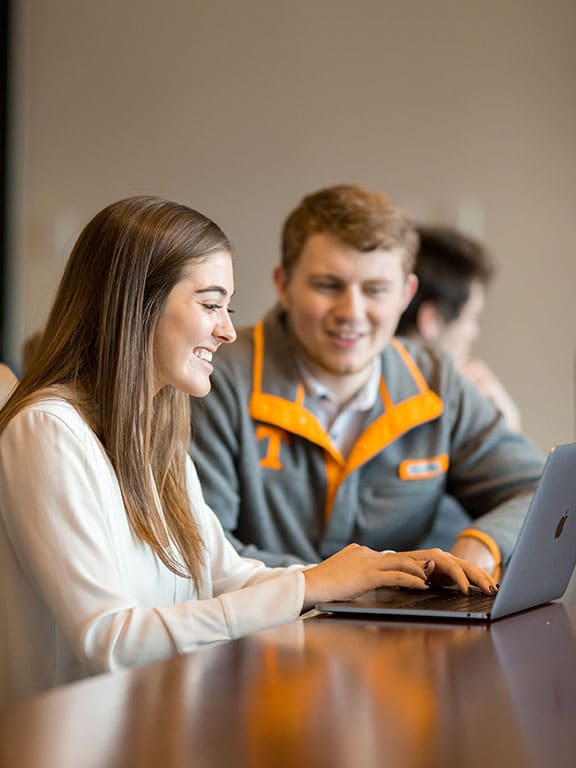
(325,692)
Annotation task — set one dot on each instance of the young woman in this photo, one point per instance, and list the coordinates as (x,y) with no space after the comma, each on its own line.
(109,556)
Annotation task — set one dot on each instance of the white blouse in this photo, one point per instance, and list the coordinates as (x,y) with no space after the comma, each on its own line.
(79,594)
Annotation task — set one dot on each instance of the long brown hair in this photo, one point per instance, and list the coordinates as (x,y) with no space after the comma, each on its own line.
(97,352)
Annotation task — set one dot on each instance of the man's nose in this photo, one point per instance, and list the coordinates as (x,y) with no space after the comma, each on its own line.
(351,303)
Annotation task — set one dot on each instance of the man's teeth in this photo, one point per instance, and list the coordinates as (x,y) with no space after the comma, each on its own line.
(347,336)
(203,354)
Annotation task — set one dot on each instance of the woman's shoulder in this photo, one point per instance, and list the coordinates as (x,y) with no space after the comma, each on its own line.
(50,430)
(51,402)
(49,407)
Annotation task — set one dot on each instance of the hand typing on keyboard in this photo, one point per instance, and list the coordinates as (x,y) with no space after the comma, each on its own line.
(357,569)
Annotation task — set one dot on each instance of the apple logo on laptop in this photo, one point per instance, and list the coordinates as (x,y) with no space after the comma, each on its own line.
(560,526)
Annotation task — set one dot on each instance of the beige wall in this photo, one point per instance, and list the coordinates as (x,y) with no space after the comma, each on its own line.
(463,112)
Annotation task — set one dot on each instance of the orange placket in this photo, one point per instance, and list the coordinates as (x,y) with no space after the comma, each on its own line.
(294,418)
(394,422)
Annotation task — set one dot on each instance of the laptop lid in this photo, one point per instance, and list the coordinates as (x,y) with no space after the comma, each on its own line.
(538,571)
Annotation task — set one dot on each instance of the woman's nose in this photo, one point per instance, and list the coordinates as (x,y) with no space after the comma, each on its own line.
(225,331)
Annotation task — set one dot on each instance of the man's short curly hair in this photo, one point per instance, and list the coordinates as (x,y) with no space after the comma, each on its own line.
(359,217)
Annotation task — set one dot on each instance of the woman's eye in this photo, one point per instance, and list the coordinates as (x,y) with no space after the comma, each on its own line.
(216,307)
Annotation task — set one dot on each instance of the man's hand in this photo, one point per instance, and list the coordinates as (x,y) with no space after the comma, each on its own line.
(474,552)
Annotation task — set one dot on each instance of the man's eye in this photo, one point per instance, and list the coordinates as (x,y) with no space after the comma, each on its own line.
(328,287)
(378,289)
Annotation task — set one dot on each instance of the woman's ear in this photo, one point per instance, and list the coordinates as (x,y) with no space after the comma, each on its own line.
(429,321)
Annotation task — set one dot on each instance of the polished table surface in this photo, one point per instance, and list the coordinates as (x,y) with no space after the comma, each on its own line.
(325,692)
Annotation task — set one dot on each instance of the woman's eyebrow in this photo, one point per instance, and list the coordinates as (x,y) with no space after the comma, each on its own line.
(214,289)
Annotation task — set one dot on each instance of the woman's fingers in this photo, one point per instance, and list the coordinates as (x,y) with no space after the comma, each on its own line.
(399,561)
(458,571)
(357,569)
(479,577)
(403,579)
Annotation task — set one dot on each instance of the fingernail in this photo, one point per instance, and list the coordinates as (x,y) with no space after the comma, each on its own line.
(493,589)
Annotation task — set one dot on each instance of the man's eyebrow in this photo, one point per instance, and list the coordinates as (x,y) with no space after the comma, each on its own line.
(324,276)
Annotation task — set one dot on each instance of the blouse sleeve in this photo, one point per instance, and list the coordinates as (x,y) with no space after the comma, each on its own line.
(63,516)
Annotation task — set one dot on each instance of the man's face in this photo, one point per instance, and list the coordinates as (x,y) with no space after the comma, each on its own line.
(457,337)
(344,306)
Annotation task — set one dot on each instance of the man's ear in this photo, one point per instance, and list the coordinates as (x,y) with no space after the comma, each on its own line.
(429,321)
(410,288)
(281,284)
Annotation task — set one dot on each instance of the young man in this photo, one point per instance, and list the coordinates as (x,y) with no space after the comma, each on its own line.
(454,272)
(322,429)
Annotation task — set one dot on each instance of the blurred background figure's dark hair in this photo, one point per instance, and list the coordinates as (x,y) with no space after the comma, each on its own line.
(447,263)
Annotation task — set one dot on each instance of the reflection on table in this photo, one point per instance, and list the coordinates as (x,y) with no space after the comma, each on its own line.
(325,692)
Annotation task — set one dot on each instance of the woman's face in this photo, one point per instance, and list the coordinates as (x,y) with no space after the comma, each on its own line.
(195,321)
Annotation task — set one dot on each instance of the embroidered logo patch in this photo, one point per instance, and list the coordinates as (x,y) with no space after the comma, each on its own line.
(275,437)
(422,469)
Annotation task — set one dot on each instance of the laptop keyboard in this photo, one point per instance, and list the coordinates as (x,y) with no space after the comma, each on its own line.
(453,601)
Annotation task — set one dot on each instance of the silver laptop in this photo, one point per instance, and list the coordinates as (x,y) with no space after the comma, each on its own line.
(538,571)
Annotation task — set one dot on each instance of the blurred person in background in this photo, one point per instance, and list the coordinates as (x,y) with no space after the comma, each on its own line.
(454,272)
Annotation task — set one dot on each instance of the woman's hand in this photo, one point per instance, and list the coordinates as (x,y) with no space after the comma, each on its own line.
(357,569)
(449,569)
